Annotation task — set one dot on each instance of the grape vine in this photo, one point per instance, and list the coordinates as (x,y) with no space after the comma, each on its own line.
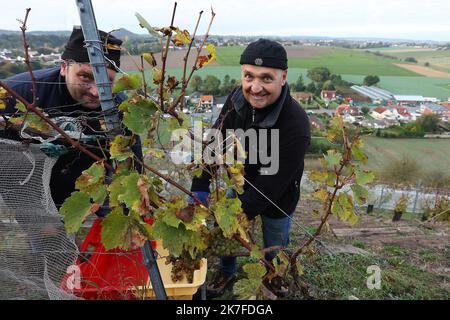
(190,231)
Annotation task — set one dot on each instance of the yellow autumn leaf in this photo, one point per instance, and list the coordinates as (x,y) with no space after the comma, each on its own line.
(181,38)
(321,194)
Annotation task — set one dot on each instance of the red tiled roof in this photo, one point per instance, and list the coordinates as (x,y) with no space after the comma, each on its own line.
(403,112)
(206,98)
(340,109)
(379,109)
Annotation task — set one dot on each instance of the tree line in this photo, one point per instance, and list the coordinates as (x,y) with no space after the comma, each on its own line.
(210,84)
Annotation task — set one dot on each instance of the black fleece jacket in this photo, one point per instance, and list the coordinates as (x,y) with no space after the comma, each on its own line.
(282,188)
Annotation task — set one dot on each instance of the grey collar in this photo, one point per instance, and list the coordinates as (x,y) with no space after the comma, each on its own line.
(239,104)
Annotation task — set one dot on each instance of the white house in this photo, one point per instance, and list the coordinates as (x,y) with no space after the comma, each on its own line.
(382,113)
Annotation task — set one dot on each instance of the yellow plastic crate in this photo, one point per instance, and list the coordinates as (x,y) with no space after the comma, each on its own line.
(180,290)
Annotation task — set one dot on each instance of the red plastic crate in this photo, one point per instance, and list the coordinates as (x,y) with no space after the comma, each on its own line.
(108,274)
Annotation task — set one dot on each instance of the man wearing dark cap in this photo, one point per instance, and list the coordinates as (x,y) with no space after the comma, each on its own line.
(68,94)
(263,101)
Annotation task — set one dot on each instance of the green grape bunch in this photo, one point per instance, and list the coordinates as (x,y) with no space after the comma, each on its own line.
(218,245)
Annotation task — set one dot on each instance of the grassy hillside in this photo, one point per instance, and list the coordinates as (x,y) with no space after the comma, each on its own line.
(430,87)
(439,60)
(430,154)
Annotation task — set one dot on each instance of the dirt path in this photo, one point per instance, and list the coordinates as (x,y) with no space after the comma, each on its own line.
(428,72)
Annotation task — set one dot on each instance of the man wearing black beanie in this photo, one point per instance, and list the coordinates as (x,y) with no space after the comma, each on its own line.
(263,102)
(68,94)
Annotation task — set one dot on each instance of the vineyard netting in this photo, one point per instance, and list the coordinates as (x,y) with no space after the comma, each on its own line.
(35,250)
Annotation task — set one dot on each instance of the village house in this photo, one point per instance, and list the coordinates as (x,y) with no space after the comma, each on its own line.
(328,95)
(402,114)
(433,108)
(342,109)
(316,123)
(206,102)
(382,113)
(303,97)
(350,114)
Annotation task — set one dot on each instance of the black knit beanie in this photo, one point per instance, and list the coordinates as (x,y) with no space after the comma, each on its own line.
(76,50)
(265,53)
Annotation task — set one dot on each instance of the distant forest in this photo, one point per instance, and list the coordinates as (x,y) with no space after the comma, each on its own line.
(47,43)
(14,41)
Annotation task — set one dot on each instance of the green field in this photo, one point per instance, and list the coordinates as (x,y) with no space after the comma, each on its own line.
(426,86)
(439,60)
(430,154)
(338,60)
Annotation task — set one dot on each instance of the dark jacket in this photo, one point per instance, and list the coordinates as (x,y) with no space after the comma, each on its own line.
(55,99)
(282,188)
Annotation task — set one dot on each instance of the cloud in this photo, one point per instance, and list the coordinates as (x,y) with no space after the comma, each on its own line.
(381,18)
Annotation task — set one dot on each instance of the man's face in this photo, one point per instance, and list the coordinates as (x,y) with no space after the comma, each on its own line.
(81,84)
(262,85)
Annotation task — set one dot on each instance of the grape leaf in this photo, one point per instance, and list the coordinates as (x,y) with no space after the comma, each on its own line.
(186,214)
(357,154)
(172,83)
(157,75)
(3,96)
(250,288)
(115,227)
(115,189)
(92,176)
(331,180)
(149,58)
(176,208)
(336,126)
(319,176)
(205,60)
(132,196)
(120,148)
(91,182)
(281,263)
(127,82)
(321,194)
(75,210)
(237,177)
(256,253)
(20,106)
(360,193)
(364,177)
(143,188)
(197,172)
(343,207)
(333,158)
(138,114)
(33,121)
(177,239)
(226,212)
(181,38)
(144,24)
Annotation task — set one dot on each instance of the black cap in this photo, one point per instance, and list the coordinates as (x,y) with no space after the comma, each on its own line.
(76,50)
(265,53)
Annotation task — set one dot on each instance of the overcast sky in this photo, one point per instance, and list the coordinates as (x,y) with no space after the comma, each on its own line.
(410,19)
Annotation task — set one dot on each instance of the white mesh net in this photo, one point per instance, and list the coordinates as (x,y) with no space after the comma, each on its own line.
(35,250)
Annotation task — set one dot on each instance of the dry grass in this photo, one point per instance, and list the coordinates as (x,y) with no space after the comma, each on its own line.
(428,72)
